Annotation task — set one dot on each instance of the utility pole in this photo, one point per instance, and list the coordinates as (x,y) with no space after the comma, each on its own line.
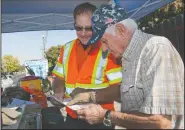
(44,40)
(43,52)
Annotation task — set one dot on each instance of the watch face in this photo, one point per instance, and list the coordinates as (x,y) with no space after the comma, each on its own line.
(107,122)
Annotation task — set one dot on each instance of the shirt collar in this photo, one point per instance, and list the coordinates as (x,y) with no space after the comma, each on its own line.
(135,41)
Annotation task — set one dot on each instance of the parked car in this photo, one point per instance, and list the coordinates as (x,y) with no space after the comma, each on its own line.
(6,81)
(9,76)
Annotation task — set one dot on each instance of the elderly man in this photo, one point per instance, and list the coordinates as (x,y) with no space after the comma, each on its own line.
(152,91)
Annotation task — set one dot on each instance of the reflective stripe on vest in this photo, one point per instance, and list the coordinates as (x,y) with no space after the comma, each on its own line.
(67,52)
(59,70)
(99,68)
(114,74)
(71,87)
(69,90)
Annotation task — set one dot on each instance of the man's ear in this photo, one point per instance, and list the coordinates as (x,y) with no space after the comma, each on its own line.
(120,30)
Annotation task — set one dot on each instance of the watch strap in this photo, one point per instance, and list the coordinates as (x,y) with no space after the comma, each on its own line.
(107,114)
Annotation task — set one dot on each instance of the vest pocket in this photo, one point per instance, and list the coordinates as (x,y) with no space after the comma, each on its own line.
(126,87)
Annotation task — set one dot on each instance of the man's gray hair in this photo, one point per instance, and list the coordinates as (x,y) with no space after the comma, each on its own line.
(130,24)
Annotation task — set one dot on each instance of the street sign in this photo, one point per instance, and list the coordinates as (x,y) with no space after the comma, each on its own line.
(39,67)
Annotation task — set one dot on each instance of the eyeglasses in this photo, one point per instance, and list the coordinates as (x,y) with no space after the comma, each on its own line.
(78,28)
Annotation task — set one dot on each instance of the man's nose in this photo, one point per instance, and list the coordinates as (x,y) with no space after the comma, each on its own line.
(83,32)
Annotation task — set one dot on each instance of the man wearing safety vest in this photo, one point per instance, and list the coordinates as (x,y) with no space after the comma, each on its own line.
(86,72)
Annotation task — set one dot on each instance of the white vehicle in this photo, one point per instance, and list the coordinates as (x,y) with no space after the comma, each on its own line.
(9,76)
(6,81)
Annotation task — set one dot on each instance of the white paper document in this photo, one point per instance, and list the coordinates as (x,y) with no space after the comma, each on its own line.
(66,100)
(75,107)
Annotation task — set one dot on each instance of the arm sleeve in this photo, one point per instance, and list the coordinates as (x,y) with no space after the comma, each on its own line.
(59,69)
(163,80)
(113,70)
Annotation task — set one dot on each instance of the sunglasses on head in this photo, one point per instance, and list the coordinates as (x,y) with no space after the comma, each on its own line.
(79,28)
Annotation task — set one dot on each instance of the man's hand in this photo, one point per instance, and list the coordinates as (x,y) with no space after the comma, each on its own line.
(94,114)
(80,95)
(59,88)
(80,98)
(79,90)
(59,96)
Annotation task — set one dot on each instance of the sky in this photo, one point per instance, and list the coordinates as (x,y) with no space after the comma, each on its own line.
(28,45)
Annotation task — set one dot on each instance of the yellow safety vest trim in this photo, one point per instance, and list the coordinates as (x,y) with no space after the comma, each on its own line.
(69,85)
(67,59)
(59,68)
(87,86)
(59,64)
(69,90)
(58,74)
(95,67)
(106,62)
(114,70)
(115,81)
(92,86)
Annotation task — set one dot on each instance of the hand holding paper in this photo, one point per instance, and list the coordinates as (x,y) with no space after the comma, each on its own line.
(79,98)
(78,91)
(59,96)
(94,114)
(82,96)
(64,103)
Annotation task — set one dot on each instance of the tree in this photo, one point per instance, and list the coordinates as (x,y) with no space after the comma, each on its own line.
(160,15)
(3,67)
(52,55)
(22,68)
(10,64)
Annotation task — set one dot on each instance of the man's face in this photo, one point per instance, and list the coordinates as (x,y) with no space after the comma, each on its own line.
(114,43)
(83,27)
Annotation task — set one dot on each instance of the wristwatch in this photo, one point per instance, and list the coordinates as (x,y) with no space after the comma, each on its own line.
(107,120)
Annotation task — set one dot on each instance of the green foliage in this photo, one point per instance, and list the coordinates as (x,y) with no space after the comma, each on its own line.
(22,68)
(52,55)
(162,14)
(10,64)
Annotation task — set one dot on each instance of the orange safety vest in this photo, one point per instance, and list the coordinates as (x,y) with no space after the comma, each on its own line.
(96,72)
